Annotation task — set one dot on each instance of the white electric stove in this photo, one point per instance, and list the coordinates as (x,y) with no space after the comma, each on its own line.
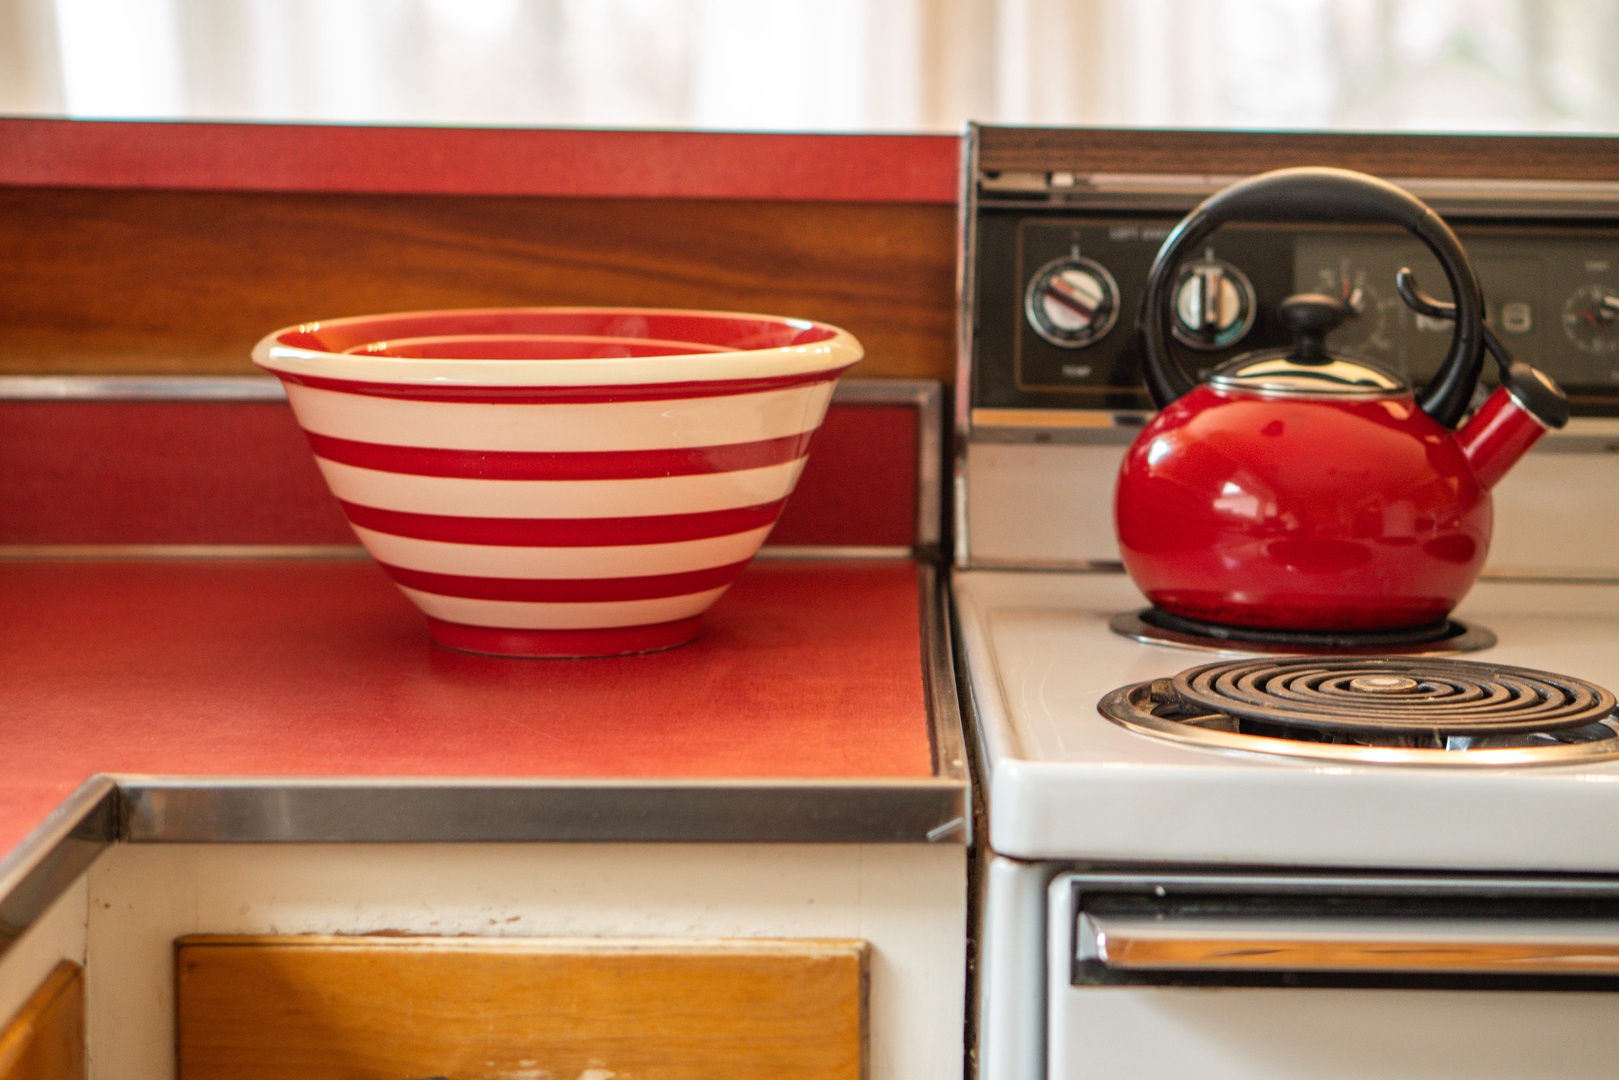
(1169,889)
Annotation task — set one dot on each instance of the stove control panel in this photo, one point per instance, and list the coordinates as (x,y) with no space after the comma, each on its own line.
(1054,266)
(1057,294)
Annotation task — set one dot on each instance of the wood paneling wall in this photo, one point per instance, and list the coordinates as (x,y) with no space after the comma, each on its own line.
(1237,153)
(149,281)
(186,282)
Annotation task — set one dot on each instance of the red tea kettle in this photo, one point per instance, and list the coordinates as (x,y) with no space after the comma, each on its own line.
(1295,489)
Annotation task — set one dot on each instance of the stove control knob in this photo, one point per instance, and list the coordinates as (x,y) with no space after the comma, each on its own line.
(1072,302)
(1214,304)
(1591,319)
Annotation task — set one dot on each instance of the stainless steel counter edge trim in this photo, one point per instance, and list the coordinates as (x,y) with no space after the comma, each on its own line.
(939,679)
(50,859)
(158,809)
(410,810)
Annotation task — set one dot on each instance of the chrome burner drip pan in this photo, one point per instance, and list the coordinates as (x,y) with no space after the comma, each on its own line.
(1393,710)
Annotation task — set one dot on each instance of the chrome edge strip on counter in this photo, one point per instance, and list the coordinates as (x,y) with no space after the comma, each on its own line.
(50,859)
(413,810)
(155,809)
(939,675)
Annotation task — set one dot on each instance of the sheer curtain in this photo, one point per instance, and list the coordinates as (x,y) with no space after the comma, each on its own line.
(823,65)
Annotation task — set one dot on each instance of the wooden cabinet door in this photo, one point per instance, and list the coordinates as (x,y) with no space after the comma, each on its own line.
(45,1040)
(354,1008)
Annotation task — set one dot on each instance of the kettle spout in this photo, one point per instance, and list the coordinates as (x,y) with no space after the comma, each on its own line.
(1510,421)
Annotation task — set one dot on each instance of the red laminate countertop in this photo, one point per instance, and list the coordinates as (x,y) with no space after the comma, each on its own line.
(321,668)
(478,161)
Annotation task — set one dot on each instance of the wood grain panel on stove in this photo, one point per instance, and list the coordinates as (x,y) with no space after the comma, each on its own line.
(177,282)
(45,1040)
(335,1008)
(1238,153)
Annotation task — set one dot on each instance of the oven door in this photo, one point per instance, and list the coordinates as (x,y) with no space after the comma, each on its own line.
(1229,976)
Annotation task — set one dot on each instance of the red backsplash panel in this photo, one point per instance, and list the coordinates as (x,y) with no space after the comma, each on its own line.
(106,472)
(241,473)
(860,486)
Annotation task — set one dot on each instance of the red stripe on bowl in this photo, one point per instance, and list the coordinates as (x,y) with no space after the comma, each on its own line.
(564,532)
(561,395)
(568,590)
(558,465)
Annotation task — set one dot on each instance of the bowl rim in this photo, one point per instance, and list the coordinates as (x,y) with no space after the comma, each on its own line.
(833,353)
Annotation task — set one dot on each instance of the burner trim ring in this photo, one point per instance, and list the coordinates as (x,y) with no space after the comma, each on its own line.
(1119,706)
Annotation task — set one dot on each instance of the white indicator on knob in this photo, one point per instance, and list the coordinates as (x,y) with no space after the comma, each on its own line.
(1072,301)
(1214,305)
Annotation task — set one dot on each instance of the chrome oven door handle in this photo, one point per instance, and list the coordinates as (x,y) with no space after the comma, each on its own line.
(1148,944)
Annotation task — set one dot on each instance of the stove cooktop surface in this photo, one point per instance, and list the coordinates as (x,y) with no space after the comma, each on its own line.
(1064,781)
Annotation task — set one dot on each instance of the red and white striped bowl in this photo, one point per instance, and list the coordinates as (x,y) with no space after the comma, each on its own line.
(561,481)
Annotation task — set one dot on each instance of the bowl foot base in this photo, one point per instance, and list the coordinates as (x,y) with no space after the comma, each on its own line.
(563,644)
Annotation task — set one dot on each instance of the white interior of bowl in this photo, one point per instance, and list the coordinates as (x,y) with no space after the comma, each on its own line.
(724,346)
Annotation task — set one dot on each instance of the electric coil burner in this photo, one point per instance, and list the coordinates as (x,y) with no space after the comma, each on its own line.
(1390,710)
(1154,626)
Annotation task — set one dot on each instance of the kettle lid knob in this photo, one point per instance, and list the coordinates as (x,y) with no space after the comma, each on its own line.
(1311,317)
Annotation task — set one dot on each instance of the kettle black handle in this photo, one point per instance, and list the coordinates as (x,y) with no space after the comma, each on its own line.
(1536,392)
(1322,195)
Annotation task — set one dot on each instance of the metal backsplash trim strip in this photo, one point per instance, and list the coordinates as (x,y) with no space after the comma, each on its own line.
(31,552)
(819,552)
(141,388)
